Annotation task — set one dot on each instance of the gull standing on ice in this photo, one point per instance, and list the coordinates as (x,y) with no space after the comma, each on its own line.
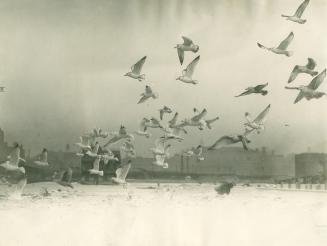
(188,72)
(308,68)
(96,167)
(147,94)
(310,91)
(258,123)
(297,16)
(258,89)
(281,49)
(188,45)
(136,70)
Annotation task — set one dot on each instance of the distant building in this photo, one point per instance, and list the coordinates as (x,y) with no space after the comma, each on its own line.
(310,164)
(225,161)
(4,148)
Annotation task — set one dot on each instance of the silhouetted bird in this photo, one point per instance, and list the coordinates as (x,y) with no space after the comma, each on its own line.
(224,188)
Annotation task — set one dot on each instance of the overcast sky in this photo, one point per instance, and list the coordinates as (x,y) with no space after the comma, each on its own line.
(63,62)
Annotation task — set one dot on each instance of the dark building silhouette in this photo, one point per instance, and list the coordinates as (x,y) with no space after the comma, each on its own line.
(310,164)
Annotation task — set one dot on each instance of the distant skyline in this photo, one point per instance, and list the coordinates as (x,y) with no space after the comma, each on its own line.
(62,63)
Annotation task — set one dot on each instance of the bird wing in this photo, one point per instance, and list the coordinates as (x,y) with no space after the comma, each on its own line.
(161,114)
(299,97)
(180,53)
(143,126)
(155,121)
(225,140)
(198,150)
(244,143)
(143,99)
(311,64)
(284,44)
(294,74)
(137,67)
(316,82)
(199,116)
(190,68)
(160,159)
(187,41)
(262,116)
(174,119)
(262,46)
(301,8)
(247,92)
(260,87)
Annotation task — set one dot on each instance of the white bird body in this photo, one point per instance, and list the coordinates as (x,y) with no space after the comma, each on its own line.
(154,123)
(173,134)
(121,174)
(187,45)
(258,123)
(43,159)
(160,148)
(310,91)
(160,161)
(96,166)
(281,49)
(13,161)
(188,72)
(136,70)
(298,14)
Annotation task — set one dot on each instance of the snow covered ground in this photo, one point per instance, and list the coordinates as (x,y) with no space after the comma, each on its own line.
(173,214)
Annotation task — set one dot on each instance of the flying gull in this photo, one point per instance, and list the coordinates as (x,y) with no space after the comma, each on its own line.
(258,89)
(136,70)
(281,49)
(147,94)
(188,72)
(310,91)
(188,45)
(297,16)
(258,123)
(308,68)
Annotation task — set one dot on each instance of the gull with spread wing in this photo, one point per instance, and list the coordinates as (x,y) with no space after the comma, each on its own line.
(188,45)
(298,14)
(188,72)
(258,89)
(310,91)
(258,123)
(281,49)
(308,68)
(136,70)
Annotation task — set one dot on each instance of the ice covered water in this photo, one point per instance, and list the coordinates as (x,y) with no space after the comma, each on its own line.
(169,214)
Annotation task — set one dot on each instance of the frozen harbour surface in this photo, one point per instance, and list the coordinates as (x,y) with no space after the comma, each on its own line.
(173,214)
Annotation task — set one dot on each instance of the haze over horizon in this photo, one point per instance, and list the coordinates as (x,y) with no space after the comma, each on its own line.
(62,63)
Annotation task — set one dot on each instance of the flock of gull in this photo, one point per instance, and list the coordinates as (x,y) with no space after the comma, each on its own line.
(174,130)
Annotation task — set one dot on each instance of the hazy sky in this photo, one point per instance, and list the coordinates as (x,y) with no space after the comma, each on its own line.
(63,64)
